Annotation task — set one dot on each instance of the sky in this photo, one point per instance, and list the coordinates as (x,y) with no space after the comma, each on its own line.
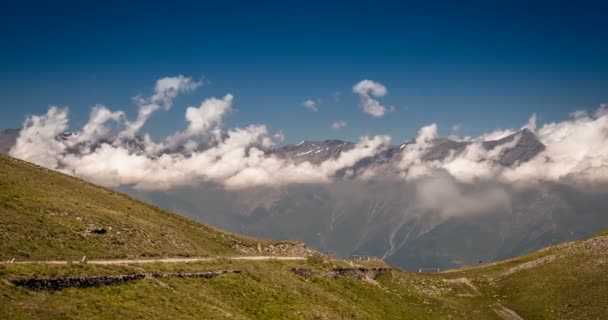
(479,66)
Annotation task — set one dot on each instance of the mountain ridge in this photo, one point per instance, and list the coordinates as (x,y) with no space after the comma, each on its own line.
(316,152)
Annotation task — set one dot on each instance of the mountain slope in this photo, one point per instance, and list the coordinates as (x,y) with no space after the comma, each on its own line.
(48,215)
(40,208)
(565,281)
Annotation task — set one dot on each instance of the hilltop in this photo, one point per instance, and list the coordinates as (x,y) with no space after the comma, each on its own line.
(50,216)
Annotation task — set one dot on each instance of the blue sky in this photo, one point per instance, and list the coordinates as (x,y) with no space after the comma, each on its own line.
(483,66)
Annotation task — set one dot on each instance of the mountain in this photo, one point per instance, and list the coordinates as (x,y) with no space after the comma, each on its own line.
(384,218)
(380,217)
(315,152)
(527,146)
(48,216)
(8,138)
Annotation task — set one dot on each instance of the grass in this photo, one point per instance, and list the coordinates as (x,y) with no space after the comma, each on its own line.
(264,290)
(571,285)
(566,281)
(45,215)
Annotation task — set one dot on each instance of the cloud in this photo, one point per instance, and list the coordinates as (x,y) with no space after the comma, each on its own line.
(203,121)
(165,91)
(339,124)
(260,169)
(531,125)
(367,91)
(443,194)
(96,128)
(38,141)
(574,153)
(454,133)
(311,105)
(205,151)
(279,136)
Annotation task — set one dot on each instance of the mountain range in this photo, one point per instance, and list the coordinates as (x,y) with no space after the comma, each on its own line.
(382,217)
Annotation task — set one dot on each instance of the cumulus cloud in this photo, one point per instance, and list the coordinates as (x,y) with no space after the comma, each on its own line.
(165,91)
(311,105)
(339,124)
(473,164)
(574,151)
(368,90)
(38,141)
(203,152)
(203,121)
(96,128)
(107,151)
(531,125)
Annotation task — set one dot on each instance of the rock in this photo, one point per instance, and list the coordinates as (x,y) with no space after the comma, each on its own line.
(95,230)
(302,272)
(56,284)
(287,248)
(357,273)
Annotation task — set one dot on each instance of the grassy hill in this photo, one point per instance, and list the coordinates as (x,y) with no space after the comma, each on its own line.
(47,215)
(565,281)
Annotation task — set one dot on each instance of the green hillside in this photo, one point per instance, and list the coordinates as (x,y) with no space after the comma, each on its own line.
(40,221)
(46,215)
(565,281)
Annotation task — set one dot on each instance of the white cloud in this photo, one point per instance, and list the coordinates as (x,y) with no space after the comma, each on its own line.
(311,105)
(203,121)
(442,193)
(339,124)
(38,141)
(495,135)
(455,133)
(165,91)
(96,128)
(279,136)
(531,125)
(235,158)
(367,91)
(575,151)
(242,157)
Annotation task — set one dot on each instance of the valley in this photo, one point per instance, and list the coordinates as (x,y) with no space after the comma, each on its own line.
(566,281)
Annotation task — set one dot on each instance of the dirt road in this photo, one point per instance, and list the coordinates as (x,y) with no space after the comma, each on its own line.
(163,260)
